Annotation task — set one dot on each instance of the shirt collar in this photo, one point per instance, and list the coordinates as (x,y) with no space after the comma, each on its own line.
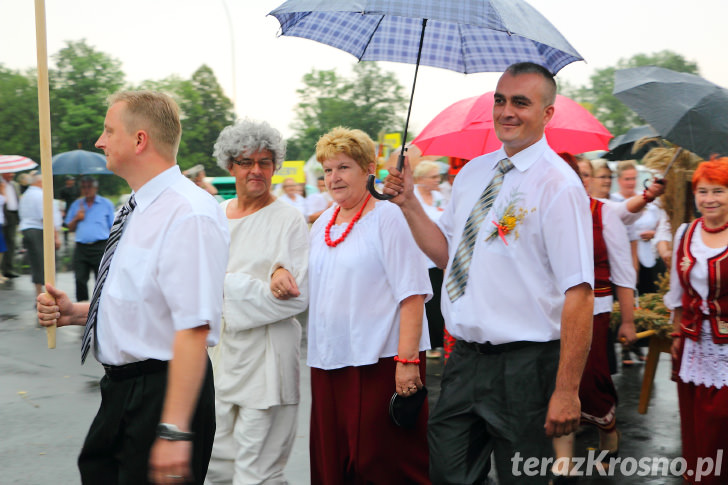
(148,192)
(526,157)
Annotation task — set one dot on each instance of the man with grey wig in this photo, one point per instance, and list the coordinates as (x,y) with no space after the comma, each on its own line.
(256,363)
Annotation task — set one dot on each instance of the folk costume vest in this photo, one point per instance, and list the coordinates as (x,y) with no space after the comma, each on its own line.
(602,284)
(717,300)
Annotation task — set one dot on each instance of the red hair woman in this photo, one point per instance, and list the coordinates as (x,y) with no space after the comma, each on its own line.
(699,297)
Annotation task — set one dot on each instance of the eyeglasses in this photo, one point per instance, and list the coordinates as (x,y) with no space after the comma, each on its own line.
(247,163)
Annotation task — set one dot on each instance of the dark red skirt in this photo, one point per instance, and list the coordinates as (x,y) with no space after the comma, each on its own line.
(353,440)
(703,425)
(597,393)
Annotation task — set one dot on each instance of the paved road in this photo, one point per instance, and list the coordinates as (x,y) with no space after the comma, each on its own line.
(47,401)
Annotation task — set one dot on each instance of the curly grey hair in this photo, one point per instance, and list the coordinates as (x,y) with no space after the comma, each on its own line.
(246,138)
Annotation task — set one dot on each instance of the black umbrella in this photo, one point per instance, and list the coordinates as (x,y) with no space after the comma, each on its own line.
(683,108)
(620,147)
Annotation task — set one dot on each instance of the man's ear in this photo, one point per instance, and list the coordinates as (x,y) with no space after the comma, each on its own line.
(548,114)
(142,140)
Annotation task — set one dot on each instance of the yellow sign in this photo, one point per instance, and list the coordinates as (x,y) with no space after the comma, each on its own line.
(290,170)
(393,140)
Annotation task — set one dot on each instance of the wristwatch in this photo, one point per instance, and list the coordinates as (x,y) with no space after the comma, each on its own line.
(171,432)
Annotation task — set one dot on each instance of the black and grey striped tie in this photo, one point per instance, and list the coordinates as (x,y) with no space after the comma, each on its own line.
(116,230)
(457,280)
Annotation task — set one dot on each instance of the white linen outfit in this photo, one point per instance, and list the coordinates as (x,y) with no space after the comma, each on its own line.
(256,364)
(704,363)
(516,291)
(357,288)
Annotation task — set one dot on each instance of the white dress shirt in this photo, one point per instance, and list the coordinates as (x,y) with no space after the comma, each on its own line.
(30,210)
(357,287)
(516,291)
(167,272)
(619,253)
(11,196)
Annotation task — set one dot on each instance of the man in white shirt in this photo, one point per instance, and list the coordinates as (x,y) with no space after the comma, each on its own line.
(30,210)
(156,307)
(523,323)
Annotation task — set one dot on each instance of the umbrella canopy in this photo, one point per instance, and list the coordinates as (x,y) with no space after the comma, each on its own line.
(465,129)
(683,108)
(620,147)
(464,36)
(80,162)
(15,163)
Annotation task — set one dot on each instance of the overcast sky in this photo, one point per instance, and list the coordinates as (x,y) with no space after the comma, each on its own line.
(156,38)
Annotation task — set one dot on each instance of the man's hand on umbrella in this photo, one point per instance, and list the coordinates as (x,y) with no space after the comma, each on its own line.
(656,188)
(400,185)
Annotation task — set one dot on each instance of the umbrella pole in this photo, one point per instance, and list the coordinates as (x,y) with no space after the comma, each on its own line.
(403,150)
(44,117)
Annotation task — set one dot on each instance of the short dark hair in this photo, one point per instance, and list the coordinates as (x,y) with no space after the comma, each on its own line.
(533,68)
(89,180)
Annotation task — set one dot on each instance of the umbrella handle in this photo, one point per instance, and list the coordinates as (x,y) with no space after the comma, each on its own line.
(372,190)
(370,180)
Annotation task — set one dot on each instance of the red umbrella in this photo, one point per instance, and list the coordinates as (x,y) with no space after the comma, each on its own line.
(465,129)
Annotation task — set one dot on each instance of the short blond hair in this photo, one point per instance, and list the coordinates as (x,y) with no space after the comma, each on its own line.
(423,167)
(154,112)
(352,143)
(599,164)
(625,165)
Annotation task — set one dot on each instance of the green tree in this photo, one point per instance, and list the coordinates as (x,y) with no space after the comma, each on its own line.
(80,83)
(371,100)
(19,114)
(598,97)
(204,112)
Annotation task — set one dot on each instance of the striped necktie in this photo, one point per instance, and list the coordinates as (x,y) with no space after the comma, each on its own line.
(114,235)
(457,280)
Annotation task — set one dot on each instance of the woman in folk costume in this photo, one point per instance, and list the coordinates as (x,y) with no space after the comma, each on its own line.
(699,298)
(612,268)
(367,334)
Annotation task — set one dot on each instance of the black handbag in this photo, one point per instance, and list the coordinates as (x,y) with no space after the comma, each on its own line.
(405,410)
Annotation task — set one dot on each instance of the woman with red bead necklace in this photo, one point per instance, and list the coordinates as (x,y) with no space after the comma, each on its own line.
(699,297)
(368,284)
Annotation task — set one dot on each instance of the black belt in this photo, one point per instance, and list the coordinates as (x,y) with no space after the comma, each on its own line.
(490,349)
(135,369)
(95,243)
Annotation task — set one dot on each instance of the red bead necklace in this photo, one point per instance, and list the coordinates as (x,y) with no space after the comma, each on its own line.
(711,230)
(327,233)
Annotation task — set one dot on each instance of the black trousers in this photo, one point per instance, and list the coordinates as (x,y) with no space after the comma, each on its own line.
(86,258)
(492,403)
(117,447)
(435,322)
(10,229)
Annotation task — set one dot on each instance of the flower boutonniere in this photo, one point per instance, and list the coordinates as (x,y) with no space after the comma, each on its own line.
(509,218)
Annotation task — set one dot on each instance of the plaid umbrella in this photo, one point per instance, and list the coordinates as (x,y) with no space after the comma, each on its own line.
(463,36)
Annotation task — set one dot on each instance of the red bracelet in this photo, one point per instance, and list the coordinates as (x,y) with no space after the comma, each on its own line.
(647,197)
(675,334)
(397,358)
